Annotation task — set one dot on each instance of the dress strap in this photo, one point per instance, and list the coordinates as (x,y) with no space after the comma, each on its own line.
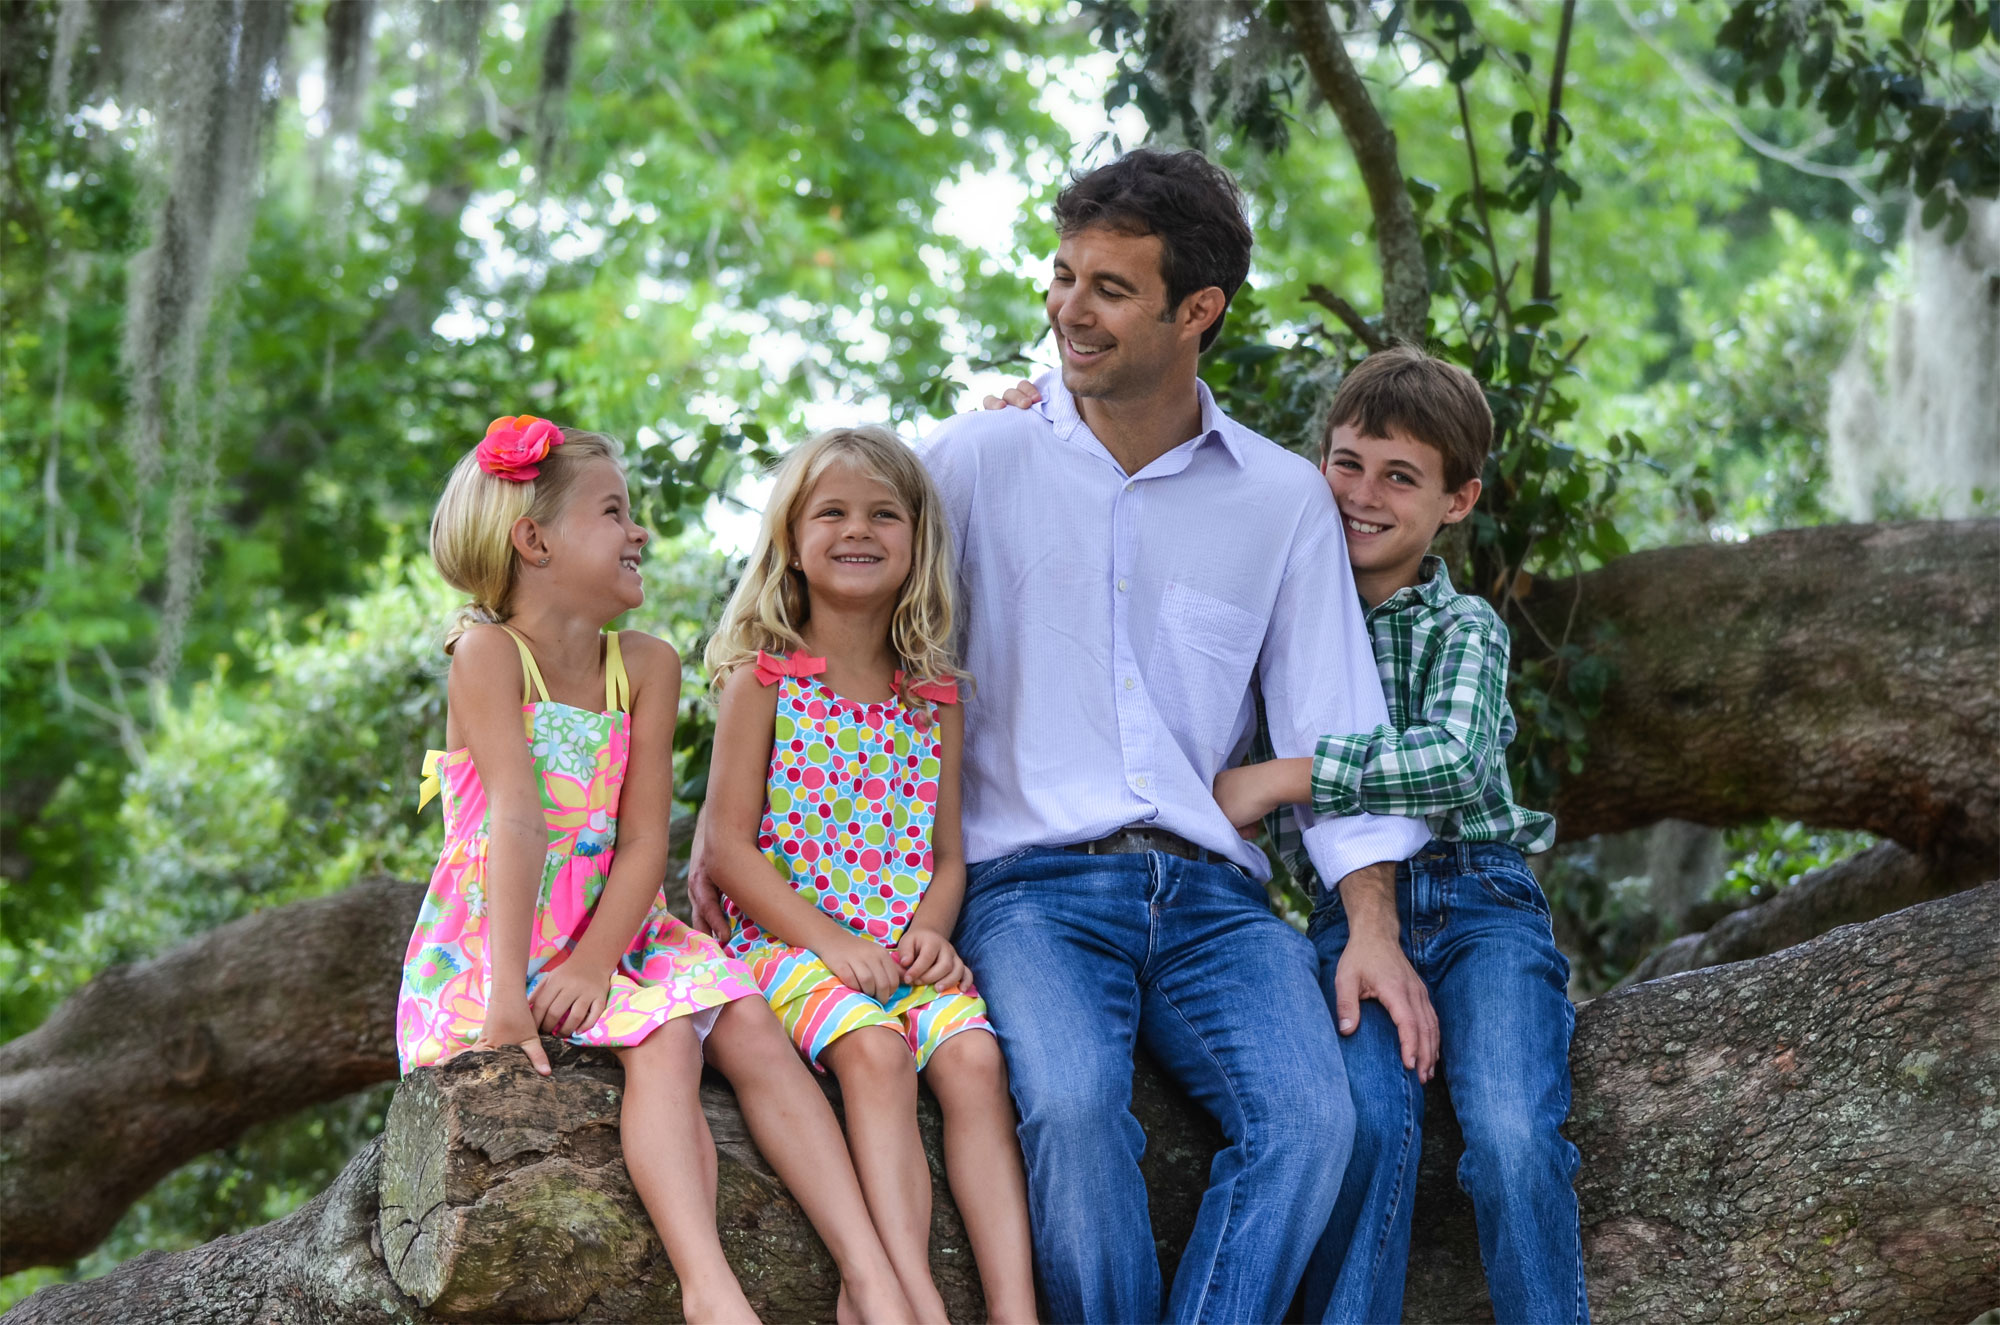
(942,691)
(617,686)
(531,674)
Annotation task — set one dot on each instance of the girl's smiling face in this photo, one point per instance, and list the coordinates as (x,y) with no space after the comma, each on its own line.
(852,536)
(596,543)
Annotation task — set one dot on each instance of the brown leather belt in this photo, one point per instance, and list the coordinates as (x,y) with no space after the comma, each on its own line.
(1137,839)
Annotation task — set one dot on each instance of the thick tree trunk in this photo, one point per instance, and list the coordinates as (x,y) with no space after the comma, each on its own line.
(1847,676)
(1882,879)
(150,1065)
(1805,1136)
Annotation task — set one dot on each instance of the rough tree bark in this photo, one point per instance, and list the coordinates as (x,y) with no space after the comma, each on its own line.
(1844,676)
(1805,1136)
(1882,879)
(149,1065)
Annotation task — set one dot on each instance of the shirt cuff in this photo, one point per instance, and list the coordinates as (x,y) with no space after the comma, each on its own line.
(1342,846)
(1336,773)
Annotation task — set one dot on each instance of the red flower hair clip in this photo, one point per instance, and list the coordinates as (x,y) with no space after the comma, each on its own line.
(514,448)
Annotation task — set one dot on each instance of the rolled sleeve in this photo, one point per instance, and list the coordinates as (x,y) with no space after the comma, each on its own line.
(1319,679)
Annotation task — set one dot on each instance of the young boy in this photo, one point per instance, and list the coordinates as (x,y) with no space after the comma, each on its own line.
(1406,440)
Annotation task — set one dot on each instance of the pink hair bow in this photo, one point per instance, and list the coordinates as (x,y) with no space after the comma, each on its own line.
(937,692)
(800,665)
(514,448)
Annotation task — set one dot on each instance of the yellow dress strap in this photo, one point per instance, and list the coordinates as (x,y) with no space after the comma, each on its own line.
(432,783)
(531,674)
(617,687)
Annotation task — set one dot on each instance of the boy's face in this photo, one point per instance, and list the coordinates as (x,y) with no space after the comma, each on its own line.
(1392,500)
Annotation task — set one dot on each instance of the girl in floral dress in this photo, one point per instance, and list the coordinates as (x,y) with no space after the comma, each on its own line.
(833,830)
(533,923)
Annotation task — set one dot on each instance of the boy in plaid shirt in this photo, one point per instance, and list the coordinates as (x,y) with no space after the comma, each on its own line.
(1405,443)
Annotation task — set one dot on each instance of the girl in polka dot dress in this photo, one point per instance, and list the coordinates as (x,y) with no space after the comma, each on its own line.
(833,831)
(545,912)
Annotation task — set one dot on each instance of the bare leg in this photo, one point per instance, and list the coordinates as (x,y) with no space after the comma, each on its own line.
(795,1129)
(666,1140)
(878,1079)
(982,1157)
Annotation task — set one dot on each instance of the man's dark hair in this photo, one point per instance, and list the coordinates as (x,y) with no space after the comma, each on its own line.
(1404,390)
(1188,201)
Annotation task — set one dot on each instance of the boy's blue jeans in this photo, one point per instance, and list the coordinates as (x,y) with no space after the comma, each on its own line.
(1080,958)
(1476,927)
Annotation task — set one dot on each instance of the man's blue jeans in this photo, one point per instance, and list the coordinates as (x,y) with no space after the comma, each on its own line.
(1476,927)
(1080,958)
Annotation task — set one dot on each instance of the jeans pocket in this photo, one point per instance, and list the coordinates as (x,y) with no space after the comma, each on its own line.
(1514,887)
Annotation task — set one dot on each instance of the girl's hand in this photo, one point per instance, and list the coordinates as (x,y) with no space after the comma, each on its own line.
(571,998)
(508,1021)
(929,959)
(863,964)
(1020,395)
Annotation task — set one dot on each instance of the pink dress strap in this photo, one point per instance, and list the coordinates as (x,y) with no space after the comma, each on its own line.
(937,692)
(798,664)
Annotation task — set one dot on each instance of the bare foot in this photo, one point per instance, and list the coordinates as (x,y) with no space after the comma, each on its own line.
(720,1303)
(861,1304)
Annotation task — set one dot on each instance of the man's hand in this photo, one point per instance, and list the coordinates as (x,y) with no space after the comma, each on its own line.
(704,900)
(928,958)
(1020,395)
(863,964)
(1373,966)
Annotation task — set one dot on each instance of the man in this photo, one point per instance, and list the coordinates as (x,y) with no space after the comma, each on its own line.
(1132,561)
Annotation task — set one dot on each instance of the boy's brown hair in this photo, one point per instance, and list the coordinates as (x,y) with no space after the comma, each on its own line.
(1402,389)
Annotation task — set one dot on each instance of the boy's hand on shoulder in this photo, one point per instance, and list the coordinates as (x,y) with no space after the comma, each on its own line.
(1021,395)
(862,964)
(928,958)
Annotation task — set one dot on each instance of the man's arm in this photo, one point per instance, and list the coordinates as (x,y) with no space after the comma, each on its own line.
(1318,676)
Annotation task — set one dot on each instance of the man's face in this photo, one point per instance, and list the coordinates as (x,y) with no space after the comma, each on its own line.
(1106,301)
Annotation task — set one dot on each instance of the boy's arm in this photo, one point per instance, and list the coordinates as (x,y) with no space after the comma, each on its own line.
(1443,759)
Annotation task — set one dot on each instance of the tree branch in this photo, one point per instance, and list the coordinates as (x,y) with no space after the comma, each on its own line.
(1366,332)
(1545,204)
(1406,292)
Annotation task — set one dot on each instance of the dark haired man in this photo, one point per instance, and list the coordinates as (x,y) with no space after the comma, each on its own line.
(1133,563)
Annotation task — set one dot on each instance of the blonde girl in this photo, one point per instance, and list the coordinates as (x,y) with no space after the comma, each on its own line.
(561,742)
(833,830)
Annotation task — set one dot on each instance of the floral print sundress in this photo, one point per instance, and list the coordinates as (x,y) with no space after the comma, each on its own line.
(668,970)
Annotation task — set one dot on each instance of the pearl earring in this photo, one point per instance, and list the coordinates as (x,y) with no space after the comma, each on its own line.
(543,562)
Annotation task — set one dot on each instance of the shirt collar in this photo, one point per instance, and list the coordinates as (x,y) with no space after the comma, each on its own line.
(1432,589)
(1058,406)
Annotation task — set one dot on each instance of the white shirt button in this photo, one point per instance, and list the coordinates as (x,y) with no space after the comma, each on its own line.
(1139,781)
(1121,584)
(1129,683)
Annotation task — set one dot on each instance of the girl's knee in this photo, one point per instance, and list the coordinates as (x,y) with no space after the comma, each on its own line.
(873,1054)
(673,1049)
(970,1062)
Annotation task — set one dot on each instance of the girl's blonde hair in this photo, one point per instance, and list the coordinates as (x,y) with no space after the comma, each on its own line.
(771,604)
(472,530)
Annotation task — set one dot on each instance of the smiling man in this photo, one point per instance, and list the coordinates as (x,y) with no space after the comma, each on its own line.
(1134,563)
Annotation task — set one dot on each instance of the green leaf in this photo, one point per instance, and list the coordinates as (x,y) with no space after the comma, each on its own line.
(1536,313)
(1465,63)
(1916,17)
(1934,208)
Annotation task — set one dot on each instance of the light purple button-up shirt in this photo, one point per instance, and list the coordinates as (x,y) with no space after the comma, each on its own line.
(1114,625)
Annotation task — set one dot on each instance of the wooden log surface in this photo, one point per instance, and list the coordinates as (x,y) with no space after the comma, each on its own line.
(1808,1136)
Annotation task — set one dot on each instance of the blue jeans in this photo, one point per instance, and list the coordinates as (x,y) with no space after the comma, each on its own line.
(1079,959)
(1476,927)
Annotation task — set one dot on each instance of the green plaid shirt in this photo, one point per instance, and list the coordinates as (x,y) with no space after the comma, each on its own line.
(1442,657)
